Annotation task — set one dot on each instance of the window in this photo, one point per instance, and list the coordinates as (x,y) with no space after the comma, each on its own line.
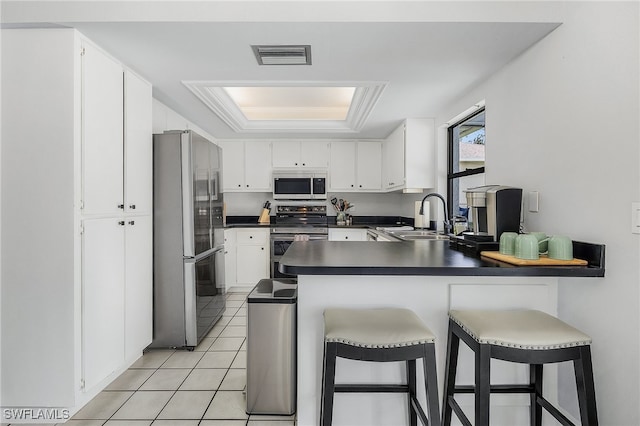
(466,160)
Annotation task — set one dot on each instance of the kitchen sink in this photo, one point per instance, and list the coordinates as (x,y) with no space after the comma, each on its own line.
(419,235)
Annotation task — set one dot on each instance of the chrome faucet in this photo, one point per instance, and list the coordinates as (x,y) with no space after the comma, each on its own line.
(447,224)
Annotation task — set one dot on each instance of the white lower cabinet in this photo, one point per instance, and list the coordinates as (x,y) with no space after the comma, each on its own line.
(338,234)
(247,262)
(253,264)
(138,294)
(117,295)
(103,273)
(230,263)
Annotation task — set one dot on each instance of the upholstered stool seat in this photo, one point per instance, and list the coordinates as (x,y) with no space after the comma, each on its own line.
(523,336)
(380,335)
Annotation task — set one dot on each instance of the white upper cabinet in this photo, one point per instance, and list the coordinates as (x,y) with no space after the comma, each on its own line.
(116,121)
(257,166)
(355,166)
(409,156)
(246,166)
(314,155)
(138,157)
(297,154)
(233,165)
(102,134)
(286,154)
(369,165)
(393,154)
(342,173)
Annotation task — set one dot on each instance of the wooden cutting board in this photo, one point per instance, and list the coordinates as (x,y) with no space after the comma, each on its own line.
(543,261)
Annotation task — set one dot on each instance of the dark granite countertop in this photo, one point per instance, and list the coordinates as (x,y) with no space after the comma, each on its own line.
(409,258)
(359,222)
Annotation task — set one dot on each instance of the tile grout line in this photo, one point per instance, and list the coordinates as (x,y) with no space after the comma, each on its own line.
(192,370)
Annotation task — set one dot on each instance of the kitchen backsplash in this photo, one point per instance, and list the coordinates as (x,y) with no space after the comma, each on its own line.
(365,204)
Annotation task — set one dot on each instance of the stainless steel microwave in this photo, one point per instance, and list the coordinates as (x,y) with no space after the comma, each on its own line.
(299,186)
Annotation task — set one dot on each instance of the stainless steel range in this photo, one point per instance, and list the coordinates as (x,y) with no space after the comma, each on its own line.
(296,223)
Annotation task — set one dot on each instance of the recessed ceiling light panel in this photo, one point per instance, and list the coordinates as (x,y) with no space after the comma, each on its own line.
(292,102)
(282,54)
(294,106)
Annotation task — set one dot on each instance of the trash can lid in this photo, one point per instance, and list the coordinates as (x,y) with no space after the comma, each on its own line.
(274,290)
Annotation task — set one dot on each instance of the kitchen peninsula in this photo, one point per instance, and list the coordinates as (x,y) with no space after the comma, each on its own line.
(430,278)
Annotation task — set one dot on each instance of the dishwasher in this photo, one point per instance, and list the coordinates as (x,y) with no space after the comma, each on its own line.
(271,347)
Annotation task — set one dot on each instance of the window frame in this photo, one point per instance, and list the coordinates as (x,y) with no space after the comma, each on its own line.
(451,175)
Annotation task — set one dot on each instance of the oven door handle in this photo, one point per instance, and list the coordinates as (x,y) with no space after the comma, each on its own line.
(291,237)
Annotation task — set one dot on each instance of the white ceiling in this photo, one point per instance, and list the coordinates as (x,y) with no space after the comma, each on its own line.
(426,65)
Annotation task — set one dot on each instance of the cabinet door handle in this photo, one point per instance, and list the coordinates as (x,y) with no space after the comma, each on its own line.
(352,185)
(261,248)
(247,186)
(304,164)
(346,238)
(121,206)
(121,222)
(250,236)
(360,186)
(132,222)
(132,206)
(296,164)
(239,186)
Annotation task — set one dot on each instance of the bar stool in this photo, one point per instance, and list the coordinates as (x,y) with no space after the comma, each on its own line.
(522,336)
(380,335)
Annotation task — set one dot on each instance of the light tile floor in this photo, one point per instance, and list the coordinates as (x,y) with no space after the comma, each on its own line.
(180,388)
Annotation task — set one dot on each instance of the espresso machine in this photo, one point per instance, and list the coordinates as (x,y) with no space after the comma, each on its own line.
(493,209)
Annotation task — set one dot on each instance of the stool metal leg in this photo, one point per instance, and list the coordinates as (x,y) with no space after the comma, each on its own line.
(535,379)
(431,384)
(453,345)
(328,383)
(586,389)
(483,384)
(411,382)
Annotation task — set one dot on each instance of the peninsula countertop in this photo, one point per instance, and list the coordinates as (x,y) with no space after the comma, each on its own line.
(420,258)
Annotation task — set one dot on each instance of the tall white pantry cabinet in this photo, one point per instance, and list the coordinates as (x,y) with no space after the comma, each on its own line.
(76,218)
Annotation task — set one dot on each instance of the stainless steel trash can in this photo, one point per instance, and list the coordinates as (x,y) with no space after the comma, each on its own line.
(271,347)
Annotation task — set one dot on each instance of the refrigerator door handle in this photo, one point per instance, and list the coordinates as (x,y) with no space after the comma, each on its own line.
(210,190)
(191,324)
(187,198)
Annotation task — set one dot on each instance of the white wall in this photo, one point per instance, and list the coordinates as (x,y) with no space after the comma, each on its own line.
(164,118)
(562,119)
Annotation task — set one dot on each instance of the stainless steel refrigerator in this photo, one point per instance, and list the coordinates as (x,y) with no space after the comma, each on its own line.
(188,258)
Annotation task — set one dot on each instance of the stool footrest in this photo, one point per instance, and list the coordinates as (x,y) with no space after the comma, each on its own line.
(418,409)
(456,409)
(365,388)
(551,409)
(497,389)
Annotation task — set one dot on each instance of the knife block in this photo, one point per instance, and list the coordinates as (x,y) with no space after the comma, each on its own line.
(264,216)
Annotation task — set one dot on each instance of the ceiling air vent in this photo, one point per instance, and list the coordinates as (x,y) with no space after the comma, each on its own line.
(283,55)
